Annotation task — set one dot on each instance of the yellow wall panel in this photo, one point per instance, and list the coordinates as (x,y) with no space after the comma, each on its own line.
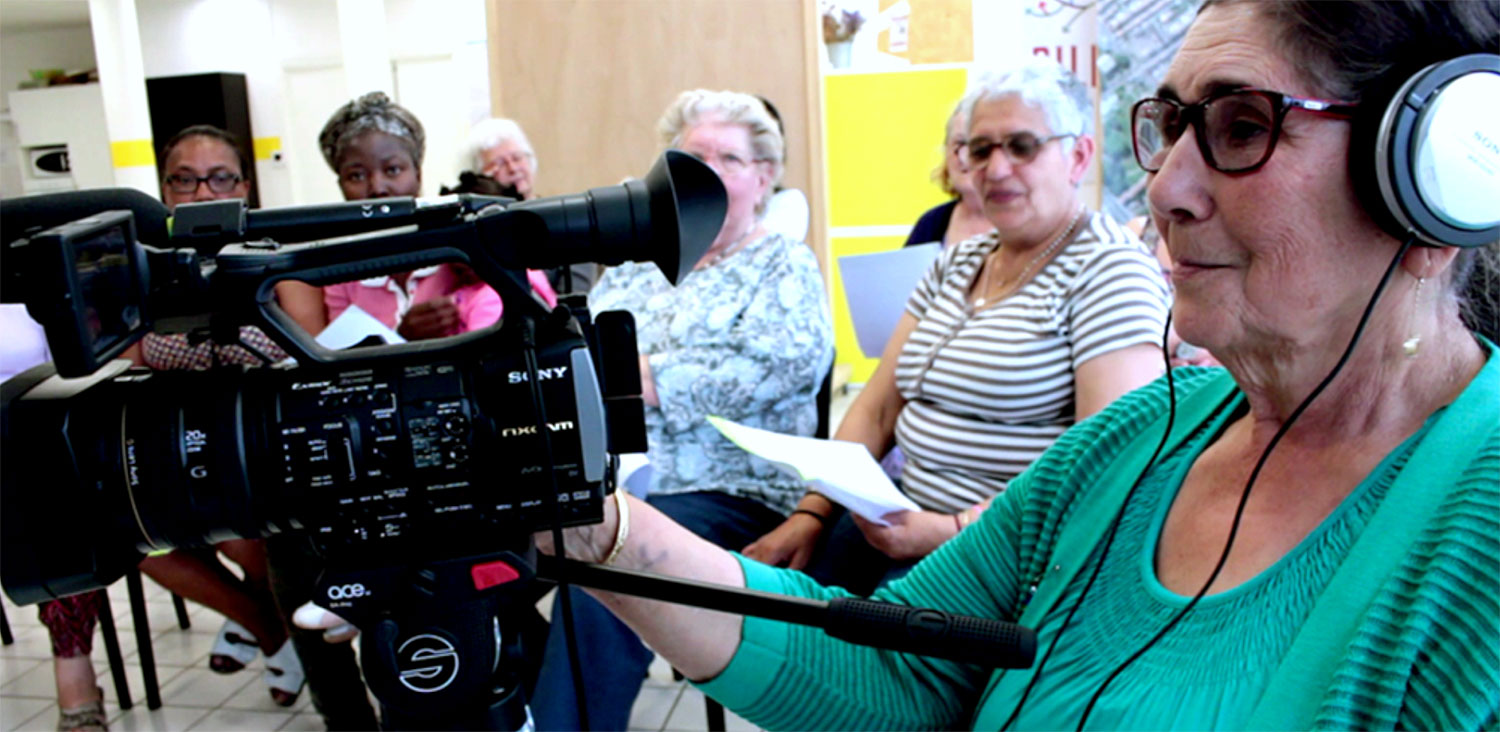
(843,326)
(885,135)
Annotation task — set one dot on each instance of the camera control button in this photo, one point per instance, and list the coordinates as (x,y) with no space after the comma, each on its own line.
(456,424)
(458,453)
(489,574)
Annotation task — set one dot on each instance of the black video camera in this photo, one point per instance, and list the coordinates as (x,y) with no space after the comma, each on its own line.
(387,455)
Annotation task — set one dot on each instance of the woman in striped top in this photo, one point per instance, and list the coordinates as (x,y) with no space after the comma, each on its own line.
(1012,336)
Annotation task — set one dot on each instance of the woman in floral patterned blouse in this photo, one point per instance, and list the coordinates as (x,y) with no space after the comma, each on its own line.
(746,336)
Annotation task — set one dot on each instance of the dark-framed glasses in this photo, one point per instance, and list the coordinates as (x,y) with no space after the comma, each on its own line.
(221,181)
(1019,149)
(1237,129)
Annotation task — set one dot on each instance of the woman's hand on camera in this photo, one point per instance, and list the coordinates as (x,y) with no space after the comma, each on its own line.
(433,318)
(789,545)
(315,617)
(910,535)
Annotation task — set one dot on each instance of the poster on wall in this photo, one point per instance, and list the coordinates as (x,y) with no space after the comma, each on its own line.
(886,35)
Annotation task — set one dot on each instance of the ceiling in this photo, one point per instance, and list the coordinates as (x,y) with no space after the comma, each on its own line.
(26,15)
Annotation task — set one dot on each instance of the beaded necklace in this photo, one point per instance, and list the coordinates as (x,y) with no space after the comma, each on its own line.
(985,288)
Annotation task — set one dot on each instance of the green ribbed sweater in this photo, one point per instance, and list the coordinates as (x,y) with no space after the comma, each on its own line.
(1426,655)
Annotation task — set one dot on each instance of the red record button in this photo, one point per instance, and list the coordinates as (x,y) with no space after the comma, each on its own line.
(489,574)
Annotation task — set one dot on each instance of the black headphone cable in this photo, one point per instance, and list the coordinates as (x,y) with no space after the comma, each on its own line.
(1114,525)
(1239,513)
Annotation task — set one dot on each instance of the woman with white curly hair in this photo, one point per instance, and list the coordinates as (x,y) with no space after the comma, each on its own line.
(499,149)
(746,336)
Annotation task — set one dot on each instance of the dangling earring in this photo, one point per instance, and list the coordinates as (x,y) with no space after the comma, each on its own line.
(1410,345)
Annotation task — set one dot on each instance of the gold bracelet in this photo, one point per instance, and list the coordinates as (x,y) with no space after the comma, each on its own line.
(622,529)
(962,518)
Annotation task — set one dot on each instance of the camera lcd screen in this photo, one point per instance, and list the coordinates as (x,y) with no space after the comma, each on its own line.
(104,277)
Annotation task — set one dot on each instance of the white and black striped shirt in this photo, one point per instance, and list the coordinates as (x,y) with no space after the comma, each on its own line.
(988,391)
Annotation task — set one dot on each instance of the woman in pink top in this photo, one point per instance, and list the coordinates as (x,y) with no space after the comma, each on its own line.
(375,146)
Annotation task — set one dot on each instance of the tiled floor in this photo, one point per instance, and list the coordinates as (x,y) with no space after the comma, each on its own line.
(195,698)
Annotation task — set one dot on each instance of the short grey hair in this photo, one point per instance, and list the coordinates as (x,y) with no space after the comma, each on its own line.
(494,132)
(696,106)
(1062,97)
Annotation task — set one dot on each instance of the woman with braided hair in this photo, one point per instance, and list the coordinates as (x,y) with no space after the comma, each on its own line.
(375,146)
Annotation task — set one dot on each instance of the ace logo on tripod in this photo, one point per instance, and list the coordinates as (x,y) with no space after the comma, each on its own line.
(426,663)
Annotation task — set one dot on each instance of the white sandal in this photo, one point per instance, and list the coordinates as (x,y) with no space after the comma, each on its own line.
(234,648)
(284,675)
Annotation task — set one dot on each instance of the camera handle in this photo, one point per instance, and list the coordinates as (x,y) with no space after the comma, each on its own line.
(439,652)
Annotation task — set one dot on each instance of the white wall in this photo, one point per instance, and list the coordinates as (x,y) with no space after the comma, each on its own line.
(305,31)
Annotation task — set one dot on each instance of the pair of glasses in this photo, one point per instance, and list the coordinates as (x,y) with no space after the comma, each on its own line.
(514,160)
(1237,129)
(1019,149)
(726,163)
(221,181)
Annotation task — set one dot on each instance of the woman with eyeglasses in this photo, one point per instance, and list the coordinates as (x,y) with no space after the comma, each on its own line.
(746,336)
(1303,539)
(199,163)
(1012,337)
(961,218)
(500,151)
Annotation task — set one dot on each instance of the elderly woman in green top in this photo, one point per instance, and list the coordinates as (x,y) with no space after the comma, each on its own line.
(1354,587)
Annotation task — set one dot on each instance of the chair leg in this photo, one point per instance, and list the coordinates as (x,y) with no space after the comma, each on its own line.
(112,650)
(5,635)
(143,638)
(715,713)
(182,615)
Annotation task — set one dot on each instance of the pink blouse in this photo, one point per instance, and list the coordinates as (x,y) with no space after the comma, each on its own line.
(478,304)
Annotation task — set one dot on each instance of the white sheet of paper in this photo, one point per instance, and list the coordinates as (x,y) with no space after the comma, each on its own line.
(352,326)
(843,471)
(877,287)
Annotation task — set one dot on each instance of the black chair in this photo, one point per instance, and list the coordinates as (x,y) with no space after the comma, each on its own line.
(5,636)
(142,625)
(112,641)
(824,400)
